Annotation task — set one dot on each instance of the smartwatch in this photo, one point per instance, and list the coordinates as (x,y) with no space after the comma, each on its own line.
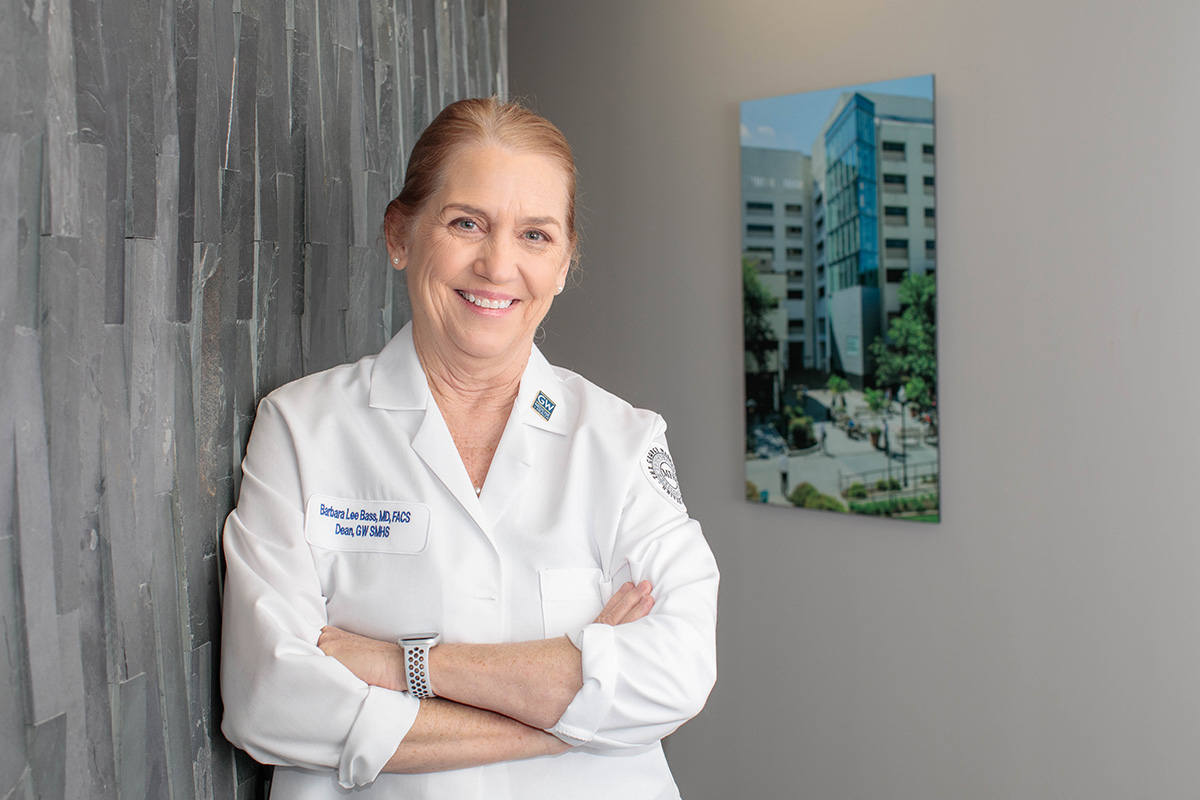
(416,648)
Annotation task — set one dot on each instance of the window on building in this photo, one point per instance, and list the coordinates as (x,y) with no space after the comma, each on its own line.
(930,219)
(760,231)
(756,208)
(793,209)
(795,294)
(820,291)
(796,274)
(795,254)
(892,151)
(795,231)
(795,326)
(895,215)
(896,249)
(927,153)
(895,183)
(896,275)
(928,184)
(930,248)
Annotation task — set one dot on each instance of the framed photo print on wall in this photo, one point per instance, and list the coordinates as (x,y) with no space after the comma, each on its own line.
(839,299)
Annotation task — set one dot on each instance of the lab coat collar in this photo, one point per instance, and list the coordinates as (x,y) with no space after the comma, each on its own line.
(398,382)
(397,379)
(540,380)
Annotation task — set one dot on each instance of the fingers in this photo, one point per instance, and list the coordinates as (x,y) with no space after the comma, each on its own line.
(628,604)
(329,635)
(642,609)
(333,641)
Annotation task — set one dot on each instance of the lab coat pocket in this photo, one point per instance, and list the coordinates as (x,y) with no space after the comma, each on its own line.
(571,598)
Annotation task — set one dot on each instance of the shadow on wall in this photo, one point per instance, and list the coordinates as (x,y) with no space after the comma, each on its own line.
(190,205)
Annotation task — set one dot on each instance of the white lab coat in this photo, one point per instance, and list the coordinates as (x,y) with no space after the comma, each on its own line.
(573,506)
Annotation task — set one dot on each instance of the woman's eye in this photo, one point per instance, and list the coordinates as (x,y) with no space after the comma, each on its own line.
(465,224)
(535,236)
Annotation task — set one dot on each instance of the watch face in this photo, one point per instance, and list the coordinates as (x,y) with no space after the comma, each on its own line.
(418,638)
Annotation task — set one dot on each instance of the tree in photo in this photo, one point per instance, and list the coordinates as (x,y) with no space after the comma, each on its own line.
(837,386)
(757,303)
(908,357)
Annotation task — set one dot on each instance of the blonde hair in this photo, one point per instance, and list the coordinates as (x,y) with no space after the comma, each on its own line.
(483,122)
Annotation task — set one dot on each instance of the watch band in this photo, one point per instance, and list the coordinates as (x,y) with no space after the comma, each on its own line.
(416,649)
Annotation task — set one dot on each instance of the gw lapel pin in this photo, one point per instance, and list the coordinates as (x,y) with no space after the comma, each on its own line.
(544,405)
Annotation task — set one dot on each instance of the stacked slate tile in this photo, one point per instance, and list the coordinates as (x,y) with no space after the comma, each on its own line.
(190,204)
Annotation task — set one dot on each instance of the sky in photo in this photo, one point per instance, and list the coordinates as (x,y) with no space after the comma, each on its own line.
(792,122)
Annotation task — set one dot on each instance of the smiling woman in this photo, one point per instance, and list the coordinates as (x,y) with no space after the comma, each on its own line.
(485,256)
(452,559)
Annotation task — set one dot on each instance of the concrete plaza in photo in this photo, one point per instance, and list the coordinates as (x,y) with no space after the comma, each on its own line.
(847,458)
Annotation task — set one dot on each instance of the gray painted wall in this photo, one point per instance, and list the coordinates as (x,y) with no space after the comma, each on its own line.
(1042,642)
(190,201)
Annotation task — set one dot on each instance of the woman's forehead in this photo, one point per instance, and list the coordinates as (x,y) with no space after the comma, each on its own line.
(496,177)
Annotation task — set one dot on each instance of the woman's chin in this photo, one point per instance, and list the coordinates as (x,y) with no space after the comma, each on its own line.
(493,345)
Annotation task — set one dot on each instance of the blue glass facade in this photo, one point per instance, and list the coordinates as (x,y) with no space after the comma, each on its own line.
(852,205)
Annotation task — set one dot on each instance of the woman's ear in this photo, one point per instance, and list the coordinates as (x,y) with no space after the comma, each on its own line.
(563,271)
(398,255)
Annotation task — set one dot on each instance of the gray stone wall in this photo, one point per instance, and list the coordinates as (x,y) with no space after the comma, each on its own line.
(190,201)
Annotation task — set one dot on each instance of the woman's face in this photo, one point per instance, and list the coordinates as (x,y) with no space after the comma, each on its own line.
(487,253)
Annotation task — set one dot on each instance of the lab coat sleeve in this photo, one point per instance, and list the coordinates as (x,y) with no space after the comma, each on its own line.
(285,701)
(642,680)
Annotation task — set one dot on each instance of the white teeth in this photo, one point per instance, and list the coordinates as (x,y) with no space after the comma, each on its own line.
(483,302)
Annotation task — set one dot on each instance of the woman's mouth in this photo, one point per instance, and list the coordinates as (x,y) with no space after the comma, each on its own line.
(483,302)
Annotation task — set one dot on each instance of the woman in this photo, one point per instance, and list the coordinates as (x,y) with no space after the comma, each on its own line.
(519,528)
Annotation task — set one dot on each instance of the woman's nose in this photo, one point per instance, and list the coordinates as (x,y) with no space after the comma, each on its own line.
(497,259)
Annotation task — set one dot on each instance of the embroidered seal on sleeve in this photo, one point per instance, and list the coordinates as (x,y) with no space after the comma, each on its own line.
(660,469)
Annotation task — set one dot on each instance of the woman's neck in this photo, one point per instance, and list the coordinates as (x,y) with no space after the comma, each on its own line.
(472,385)
(475,397)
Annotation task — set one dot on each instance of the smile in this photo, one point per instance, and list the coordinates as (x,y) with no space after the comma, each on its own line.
(483,302)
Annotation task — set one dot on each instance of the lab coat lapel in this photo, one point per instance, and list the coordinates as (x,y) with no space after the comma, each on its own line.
(542,406)
(434,444)
(398,383)
(509,471)
(543,412)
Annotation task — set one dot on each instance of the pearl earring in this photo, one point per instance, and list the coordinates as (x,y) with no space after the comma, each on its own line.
(396,260)
(558,290)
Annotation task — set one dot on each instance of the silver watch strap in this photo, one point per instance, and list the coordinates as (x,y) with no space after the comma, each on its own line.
(416,668)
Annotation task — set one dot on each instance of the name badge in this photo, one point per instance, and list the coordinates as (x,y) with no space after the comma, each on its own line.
(366,526)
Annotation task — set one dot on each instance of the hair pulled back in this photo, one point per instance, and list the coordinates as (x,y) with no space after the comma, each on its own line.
(481,122)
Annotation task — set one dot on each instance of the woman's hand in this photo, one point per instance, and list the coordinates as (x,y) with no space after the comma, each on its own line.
(372,661)
(628,604)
